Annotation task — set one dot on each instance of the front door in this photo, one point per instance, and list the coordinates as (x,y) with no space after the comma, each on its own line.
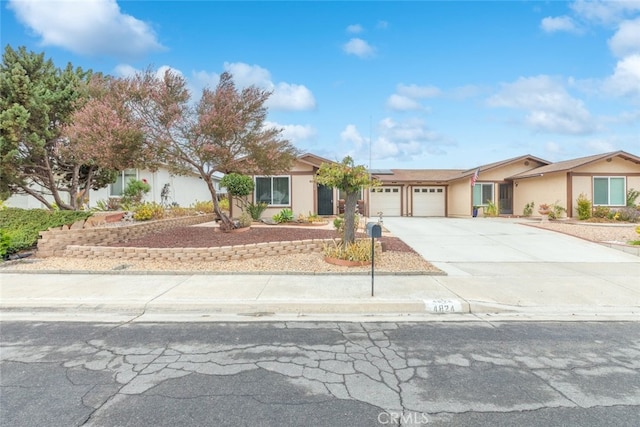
(505,199)
(325,200)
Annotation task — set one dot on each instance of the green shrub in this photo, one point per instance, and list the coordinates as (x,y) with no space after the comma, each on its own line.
(203,207)
(256,210)
(632,196)
(556,211)
(223,203)
(111,204)
(5,243)
(601,212)
(491,209)
(584,207)
(244,220)
(23,226)
(135,190)
(148,211)
(360,250)
(528,209)
(285,215)
(628,214)
(338,223)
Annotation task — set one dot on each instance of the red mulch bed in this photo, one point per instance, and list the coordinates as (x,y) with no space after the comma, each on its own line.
(209,237)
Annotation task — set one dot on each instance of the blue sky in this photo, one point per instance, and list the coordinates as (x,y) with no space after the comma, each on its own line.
(406,84)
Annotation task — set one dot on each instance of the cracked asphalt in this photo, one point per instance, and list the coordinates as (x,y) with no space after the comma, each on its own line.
(320,373)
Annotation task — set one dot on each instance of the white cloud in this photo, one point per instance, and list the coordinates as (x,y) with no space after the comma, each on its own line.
(291,97)
(402,103)
(601,146)
(125,70)
(549,107)
(406,96)
(625,80)
(605,12)
(202,79)
(285,96)
(561,23)
(415,91)
(467,91)
(359,48)
(87,27)
(246,75)
(626,40)
(382,25)
(355,29)
(395,140)
(294,133)
(351,135)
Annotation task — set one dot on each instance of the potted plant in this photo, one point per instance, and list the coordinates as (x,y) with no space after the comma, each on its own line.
(544,209)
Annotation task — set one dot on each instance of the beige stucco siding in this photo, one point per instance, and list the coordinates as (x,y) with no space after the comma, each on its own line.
(459,199)
(616,166)
(580,185)
(549,189)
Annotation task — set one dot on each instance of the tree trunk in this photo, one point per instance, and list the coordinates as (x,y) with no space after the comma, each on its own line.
(349,217)
(225,223)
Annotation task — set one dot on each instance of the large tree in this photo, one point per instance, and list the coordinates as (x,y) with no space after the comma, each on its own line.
(37,101)
(351,179)
(223,131)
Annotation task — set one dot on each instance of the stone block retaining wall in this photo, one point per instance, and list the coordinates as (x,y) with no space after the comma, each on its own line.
(54,242)
(223,253)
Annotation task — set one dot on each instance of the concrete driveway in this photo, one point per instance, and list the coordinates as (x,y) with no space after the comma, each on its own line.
(496,246)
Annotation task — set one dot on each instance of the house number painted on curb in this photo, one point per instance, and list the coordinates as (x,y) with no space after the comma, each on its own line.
(443,306)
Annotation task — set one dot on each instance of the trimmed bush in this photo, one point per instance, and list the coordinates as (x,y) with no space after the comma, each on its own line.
(20,228)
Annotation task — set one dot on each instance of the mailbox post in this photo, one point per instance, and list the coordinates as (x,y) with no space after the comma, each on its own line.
(373,230)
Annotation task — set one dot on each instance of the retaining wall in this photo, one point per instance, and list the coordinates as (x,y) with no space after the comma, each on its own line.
(54,242)
(223,253)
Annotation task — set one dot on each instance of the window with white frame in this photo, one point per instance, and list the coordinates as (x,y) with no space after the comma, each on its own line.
(482,193)
(609,191)
(272,190)
(116,189)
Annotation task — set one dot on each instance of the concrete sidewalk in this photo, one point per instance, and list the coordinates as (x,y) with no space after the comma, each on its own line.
(493,268)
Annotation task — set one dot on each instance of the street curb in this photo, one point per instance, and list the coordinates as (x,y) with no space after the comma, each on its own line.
(225,273)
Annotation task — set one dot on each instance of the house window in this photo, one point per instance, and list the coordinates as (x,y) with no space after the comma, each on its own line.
(609,191)
(116,189)
(482,194)
(272,190)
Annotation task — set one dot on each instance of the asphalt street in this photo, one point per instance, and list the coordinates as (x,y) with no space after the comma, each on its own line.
(322,374)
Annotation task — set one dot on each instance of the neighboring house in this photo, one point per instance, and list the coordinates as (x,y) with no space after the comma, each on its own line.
(603,178)
(510,184)
(183,190)
(166,188)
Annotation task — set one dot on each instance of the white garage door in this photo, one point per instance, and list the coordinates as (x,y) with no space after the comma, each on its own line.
(386,200)
(428,201)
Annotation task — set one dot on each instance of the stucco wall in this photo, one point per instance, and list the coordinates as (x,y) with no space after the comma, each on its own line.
(549,189)
(459,201)
(183,190)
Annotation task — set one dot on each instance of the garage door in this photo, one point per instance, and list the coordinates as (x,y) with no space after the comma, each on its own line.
(428,201)
(386,200)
